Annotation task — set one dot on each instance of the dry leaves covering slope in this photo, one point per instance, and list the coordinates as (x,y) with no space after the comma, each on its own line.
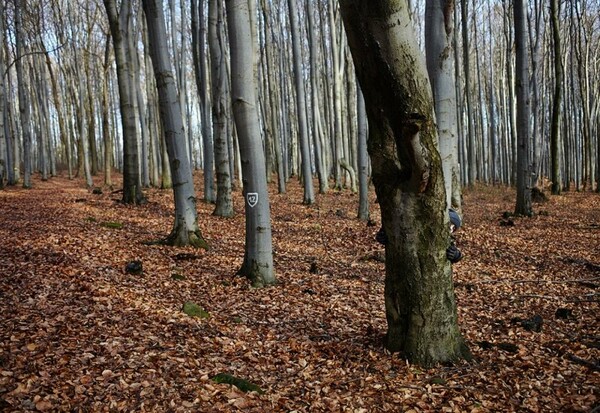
(78,333)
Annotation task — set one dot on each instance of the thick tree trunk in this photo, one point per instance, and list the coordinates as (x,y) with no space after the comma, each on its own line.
(407,173)
(258,256)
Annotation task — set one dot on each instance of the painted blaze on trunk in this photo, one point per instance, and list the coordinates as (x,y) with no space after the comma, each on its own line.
(407,173)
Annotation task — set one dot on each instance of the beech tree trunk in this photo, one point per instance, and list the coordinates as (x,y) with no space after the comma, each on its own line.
(199,33)
(523,205)
(439,29)
(407,173)
(24,96)
(555,176)
(258,251)
(185,228)
(119,28)
(4,146)
(220,120)
(309,192)
(363,161)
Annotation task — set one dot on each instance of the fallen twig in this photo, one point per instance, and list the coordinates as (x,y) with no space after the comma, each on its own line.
(582,362)
(509,281)
(565,299)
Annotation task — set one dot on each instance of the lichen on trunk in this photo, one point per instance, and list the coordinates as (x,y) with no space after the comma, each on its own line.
(407,174)
(259,275)
(181,236)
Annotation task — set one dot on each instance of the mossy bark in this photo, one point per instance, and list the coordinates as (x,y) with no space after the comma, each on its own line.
(181,236)
(407,174)
(260,275)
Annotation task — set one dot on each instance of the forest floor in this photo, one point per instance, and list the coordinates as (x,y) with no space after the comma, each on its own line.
(80,334)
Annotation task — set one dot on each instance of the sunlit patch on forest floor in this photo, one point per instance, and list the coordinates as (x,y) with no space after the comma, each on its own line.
(79,333)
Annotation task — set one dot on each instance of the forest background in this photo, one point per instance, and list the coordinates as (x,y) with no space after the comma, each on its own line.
(71,127)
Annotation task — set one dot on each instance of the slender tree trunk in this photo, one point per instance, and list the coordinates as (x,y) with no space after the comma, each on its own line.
(338,152)
(199,30)
(216,42)
(185,228)
(557,101)
(309,192)
(471,162)
(106,136)
(407,173)
(315,104)
(523,205)
(273,95)
(363,161)
(142,111)
(5,147)
(91,116)
(512,138)
(24,96)
(58,104)
(119,27)
(439,28)
(258,255)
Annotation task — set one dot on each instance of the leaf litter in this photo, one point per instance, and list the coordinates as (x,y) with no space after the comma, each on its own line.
(80,333)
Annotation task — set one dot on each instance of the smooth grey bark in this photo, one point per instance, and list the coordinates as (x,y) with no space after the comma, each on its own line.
(58,104)
(106,135)
(407,173)
(309,192)
(220,120)
(155,136)
(119,23)
(5,155)
(273,94)
(510,118)
(87,67)
(338,152)
(439,29)
(535,35)
(199,34)
(363,161)
(91,116)
(24,96)
(144,144)
(471,166)
(41,121)
(315,89)
(523,204)
(58,89)
(12,130)
(582,49)
(157,163)
(80,97)
(258,251)
(555,175)
(185,228)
